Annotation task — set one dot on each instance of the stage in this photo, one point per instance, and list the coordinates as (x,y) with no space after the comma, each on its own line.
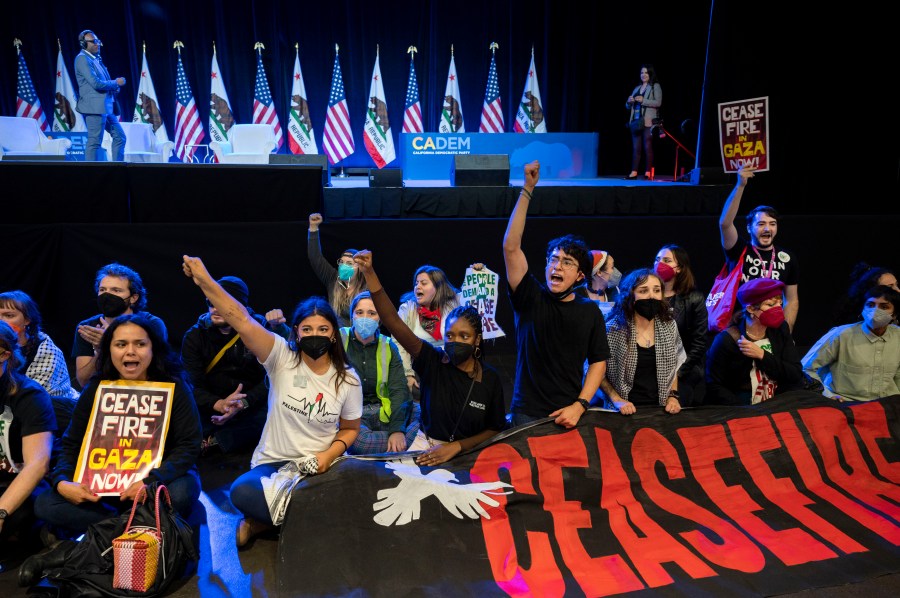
(173,192)
(348,198)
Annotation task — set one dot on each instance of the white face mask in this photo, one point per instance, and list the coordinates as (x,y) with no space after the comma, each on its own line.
(876,318)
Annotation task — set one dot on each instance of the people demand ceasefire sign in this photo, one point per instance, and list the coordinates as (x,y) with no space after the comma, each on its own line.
(479,290)
(744,134)
(126,434)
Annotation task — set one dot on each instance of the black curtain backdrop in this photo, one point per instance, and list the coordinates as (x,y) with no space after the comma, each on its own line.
(58,262)
(587,56)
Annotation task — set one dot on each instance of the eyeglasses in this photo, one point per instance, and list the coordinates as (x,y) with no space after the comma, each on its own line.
(564,264)
(96,40)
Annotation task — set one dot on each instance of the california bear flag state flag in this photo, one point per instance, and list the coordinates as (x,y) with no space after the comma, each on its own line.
(377,130)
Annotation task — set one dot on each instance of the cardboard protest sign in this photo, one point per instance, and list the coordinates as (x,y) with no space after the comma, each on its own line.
(126,435)
(744,134)
(479,290)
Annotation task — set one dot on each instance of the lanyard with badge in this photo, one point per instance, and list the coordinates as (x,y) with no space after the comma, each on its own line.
(763,273)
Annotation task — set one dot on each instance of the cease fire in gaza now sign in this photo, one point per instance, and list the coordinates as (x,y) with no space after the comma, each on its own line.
(744,134)
(126,435)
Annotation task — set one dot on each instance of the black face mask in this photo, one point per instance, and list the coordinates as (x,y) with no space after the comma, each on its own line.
(458,353)
(315,346)
(563,294)
(649,308)
(111,306)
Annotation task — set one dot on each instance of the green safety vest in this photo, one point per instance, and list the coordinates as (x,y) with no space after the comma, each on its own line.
(382,363)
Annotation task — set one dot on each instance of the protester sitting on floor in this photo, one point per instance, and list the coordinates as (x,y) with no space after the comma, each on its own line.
(390,419)
(43,360)
(229,383)
(645,348)
(27,424)
(755,358)
(462,398)
(314,403)
(862,278)
(343,283)
(673,266)
(120,291)
(424,310)
(861,362)
(132,348)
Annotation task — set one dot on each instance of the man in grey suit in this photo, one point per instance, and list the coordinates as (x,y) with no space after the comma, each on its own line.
(96,98)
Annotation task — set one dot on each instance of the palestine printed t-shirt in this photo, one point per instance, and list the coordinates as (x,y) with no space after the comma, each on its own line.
(304,411)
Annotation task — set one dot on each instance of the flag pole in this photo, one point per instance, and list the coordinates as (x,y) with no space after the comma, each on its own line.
(341,174)
(18,44)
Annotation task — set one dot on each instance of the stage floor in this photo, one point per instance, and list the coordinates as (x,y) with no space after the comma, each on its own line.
(357,182)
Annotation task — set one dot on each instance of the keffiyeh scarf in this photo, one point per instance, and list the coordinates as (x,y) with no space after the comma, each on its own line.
(623,358)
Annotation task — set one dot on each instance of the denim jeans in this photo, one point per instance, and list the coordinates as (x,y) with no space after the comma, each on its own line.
(247,492)
(75,519)
(519,419)
(96,124)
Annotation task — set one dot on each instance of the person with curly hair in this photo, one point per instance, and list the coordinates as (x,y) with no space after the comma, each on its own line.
(645,349)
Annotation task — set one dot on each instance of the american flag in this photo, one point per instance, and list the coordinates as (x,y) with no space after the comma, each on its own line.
(492,113)
(338,140)
(27,102)
(263,106)
(412,116)
(188,130)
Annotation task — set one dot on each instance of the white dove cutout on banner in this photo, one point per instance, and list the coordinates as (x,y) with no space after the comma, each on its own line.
(403,503)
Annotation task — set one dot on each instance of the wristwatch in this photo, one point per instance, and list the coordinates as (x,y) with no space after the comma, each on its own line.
(3,514)
(584,404)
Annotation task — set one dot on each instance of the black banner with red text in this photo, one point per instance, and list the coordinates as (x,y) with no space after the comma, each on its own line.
(799,492)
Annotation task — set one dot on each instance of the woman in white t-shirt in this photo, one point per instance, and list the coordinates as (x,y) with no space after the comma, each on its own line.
(315,402)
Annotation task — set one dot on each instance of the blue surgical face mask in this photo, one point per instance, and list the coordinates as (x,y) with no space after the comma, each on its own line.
(365,327)
(345,272)
(615,277)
